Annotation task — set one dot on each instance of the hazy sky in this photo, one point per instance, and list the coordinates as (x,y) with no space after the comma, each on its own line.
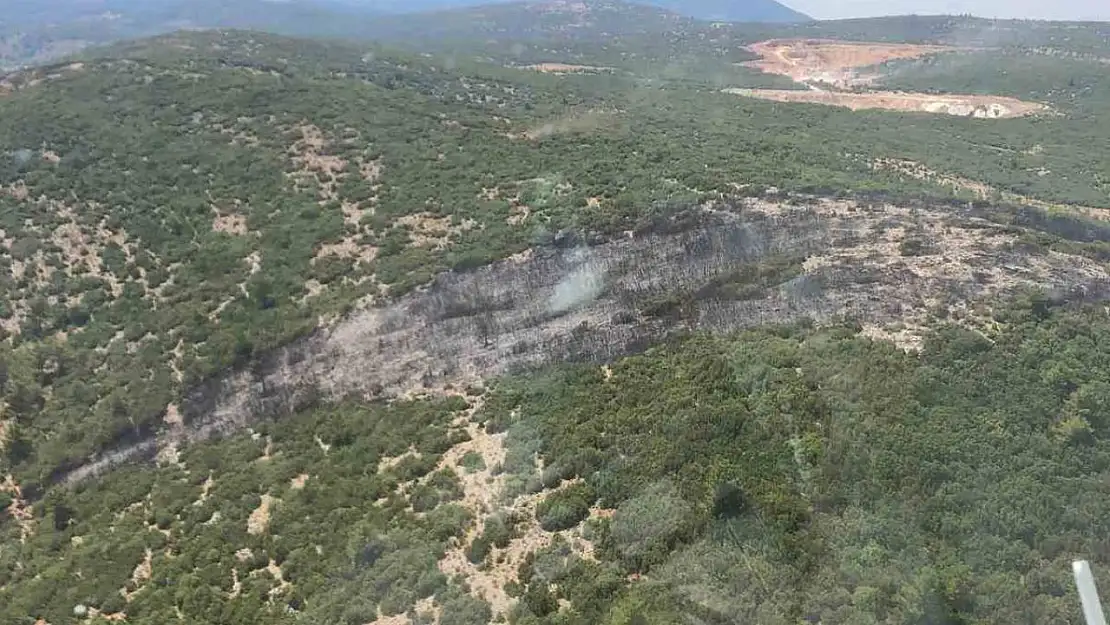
(1041,9)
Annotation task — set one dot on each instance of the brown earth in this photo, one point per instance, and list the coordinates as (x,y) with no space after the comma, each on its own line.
(841,64)
(565,68)
(19,509)
(832,62)
(259,520)
(979,106)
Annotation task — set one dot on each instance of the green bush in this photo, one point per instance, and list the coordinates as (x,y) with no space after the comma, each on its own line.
(565,508)
(472,461)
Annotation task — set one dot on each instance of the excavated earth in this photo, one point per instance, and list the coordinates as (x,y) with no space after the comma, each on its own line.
(833,62)
(979,106)
(827,66)
(886,266)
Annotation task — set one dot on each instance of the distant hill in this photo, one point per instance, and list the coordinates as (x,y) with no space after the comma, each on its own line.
(733,10)
(722,10)
(598,20)
(38,31)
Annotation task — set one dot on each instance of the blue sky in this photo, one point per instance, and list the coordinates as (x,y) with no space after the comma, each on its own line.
(1040,9)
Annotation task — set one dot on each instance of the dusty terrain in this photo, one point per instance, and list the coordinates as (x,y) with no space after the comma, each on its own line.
(978,106)
(566,68)
(835,63)
(829,67)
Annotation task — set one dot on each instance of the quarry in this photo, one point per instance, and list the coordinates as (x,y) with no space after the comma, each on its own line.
(848,74)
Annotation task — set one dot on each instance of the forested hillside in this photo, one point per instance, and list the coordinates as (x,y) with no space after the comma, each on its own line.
(772,476)
(177,212)
(178,205)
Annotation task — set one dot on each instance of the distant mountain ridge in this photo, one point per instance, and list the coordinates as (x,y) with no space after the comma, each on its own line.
(716,10)
(767,11)
(40,30)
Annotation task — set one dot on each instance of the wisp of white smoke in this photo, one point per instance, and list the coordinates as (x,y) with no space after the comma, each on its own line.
(581,286)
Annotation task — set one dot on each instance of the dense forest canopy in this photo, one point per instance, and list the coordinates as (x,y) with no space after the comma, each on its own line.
(172,209)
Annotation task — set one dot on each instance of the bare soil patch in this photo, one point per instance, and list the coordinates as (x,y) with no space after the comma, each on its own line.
(144,570)
(19,509)
(840,65)
(978,106)
(484,495)
(428,230)
(347,248)
(230,224)
(566,68)
(832,62)
(259,520)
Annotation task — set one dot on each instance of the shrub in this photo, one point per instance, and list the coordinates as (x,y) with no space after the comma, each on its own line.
(566,508)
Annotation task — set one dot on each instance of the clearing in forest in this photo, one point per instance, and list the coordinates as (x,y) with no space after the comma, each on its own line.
(827,67)
(979,106)
(566,68)
(835,63)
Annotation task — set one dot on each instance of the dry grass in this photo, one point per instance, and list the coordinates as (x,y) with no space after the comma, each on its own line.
(388,463)
(324,172)
(518,213)
(481,492)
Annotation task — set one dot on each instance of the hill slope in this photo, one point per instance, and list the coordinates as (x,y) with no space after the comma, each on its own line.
(766,11)
(576,347)
(37,32)
(723,10)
